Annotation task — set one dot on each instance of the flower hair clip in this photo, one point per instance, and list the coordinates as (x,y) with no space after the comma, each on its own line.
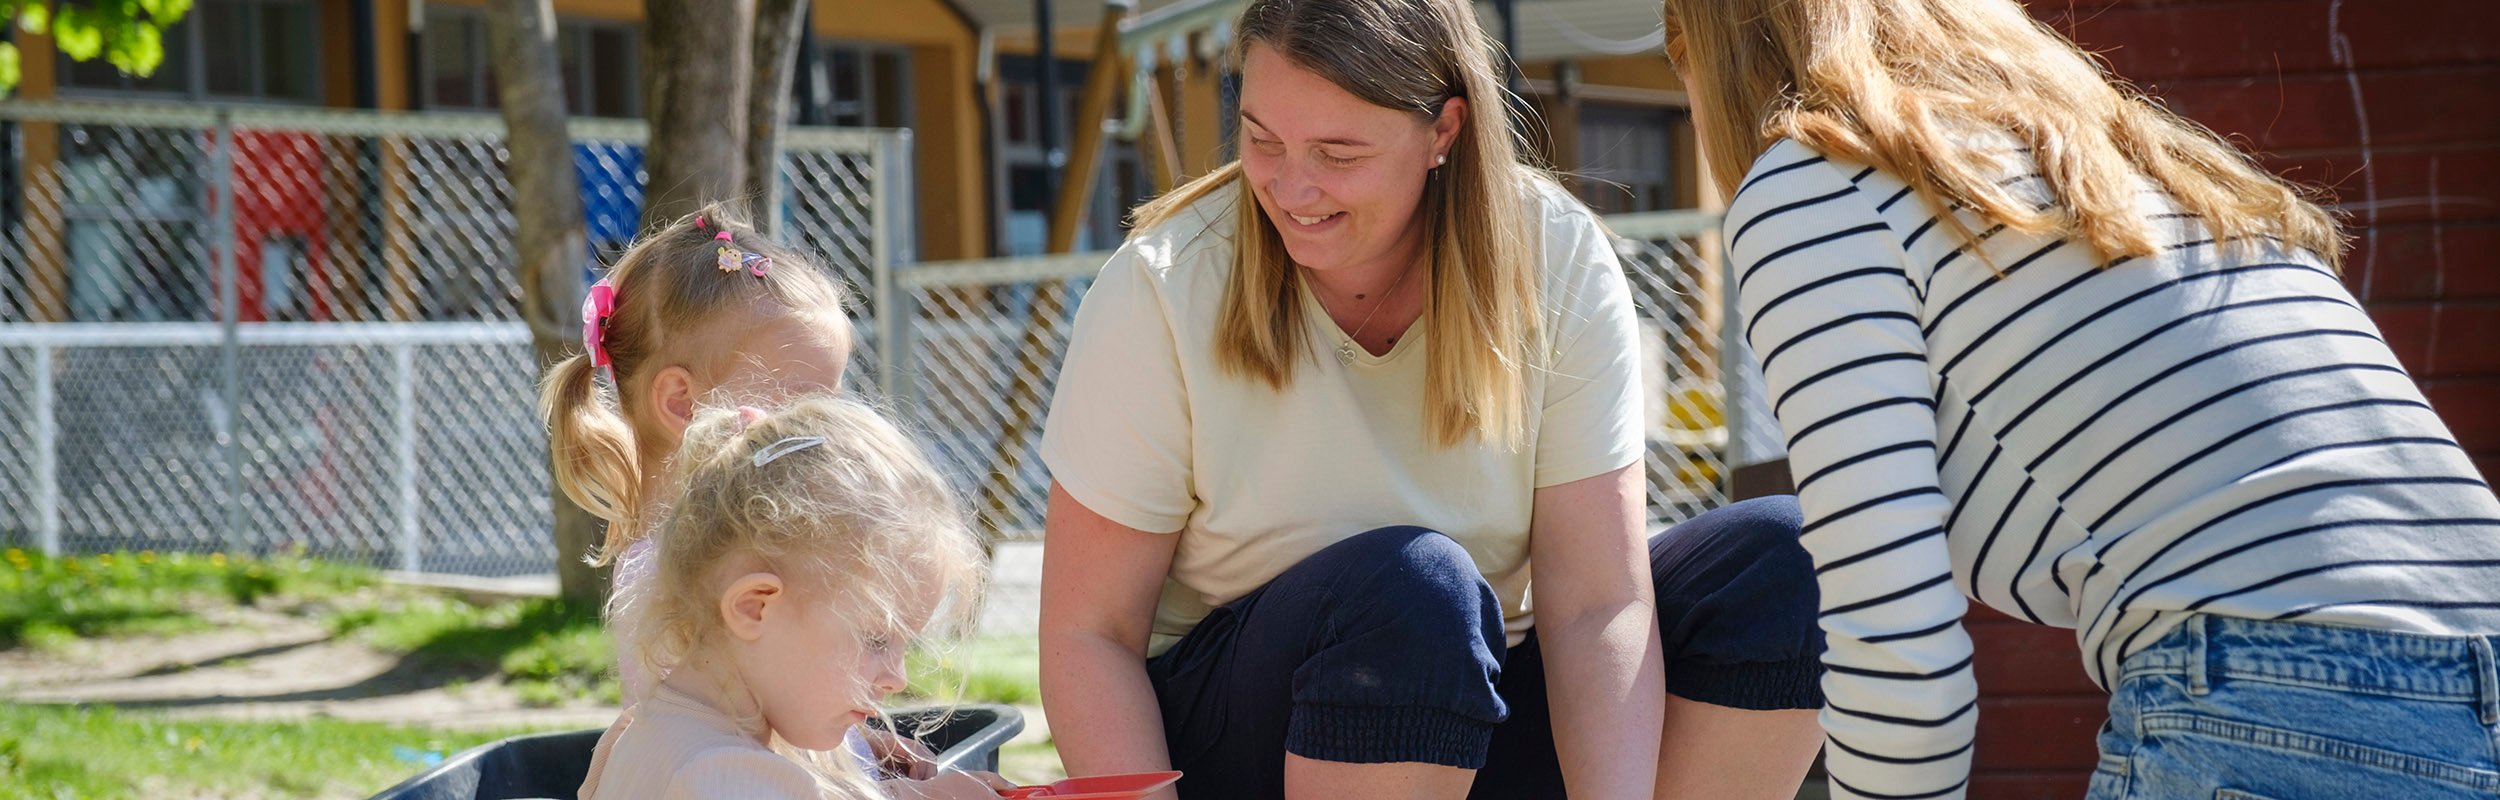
(730,259)
(597,308)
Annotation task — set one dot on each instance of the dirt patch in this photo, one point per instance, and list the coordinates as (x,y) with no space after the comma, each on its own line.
(262,665)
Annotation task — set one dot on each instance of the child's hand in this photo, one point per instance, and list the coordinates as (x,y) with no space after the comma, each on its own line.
(899,756)
(948,785)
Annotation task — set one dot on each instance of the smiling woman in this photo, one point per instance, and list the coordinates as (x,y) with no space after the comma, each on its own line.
(1289,575)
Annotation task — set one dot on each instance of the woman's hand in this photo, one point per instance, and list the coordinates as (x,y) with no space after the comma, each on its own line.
(948,785)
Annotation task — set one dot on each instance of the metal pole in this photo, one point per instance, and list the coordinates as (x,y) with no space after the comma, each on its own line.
(1731,375)
(404,415)
(883,255)
(47,457)
(897,305)
(1052,156)
(230,313)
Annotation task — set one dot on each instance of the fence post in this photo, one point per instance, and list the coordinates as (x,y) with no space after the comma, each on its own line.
(1731,375)
(404,417)
(895,308)
(230,302)
(47,457)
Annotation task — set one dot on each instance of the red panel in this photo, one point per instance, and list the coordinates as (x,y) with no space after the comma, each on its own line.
(2416,184)
(2029,785)
(2471,407)
(2302,112)
(2423,261)
(2468,339)
(2019,658)
(2148,41)
(2030,733)
(2407,327)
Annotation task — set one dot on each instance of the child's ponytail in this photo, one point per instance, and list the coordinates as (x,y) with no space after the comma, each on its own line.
(592,451)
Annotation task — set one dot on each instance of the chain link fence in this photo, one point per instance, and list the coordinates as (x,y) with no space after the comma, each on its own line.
(259,329)
(253,330)
(986,338)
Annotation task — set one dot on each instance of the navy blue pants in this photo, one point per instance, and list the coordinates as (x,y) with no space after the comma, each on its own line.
(1388,647)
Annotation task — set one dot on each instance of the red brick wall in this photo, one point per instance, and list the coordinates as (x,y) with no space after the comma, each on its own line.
(2394,107)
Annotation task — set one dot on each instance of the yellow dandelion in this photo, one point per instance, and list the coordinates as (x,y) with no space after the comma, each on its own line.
(216,559)
(147,557)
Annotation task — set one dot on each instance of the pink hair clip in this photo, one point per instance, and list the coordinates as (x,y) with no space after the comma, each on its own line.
(756,263)
(597,307)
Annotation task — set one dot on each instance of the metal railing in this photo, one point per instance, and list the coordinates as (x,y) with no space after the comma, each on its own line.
(986,338)
(246,329)
(253,328)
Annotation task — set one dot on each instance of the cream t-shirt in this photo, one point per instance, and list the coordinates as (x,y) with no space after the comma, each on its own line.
(1149,431)
(677,747)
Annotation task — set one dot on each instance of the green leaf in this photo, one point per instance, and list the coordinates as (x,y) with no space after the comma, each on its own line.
(34,18)
(8,68)
(166,12)
(74,30)
(139,50)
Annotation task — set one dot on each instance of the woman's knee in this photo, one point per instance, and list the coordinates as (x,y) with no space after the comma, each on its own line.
(1406,561)
(1760,535)
(1737,607)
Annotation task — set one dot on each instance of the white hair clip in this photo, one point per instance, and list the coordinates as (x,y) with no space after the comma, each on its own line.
(776,450)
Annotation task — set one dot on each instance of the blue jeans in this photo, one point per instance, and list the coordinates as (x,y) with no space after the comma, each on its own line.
(2236,709)
(1388,647)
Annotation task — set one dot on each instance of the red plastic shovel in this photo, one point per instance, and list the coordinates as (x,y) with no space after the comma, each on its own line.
(1098,787)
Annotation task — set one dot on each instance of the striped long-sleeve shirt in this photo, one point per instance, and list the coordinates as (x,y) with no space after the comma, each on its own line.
(2106,445)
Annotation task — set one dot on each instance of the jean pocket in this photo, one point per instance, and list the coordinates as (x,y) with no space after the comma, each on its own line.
(2109,780)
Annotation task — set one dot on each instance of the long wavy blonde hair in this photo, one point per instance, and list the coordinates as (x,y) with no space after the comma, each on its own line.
(1894,83)
(1482,312)
(862,519)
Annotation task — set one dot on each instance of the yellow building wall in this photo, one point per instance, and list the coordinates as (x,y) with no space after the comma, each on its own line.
(952,192)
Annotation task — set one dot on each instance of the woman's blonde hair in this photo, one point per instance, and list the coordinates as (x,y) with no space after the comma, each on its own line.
(672,303)
(1895,83)
(1482,313)
(855,515)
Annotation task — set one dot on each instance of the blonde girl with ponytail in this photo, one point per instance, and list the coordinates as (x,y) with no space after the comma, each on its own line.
(704,306)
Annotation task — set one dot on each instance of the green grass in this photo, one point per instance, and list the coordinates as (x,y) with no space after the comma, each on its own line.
(49,602)
(992,670)
(550,651)
(77,752)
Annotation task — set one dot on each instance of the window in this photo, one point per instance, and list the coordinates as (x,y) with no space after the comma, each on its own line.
(455,60)
(1627,157)
(871,86)
(1120,183)
(600,61)
(266,50)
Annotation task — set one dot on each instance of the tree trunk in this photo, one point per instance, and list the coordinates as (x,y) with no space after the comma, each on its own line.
(698,56)
(549,243)
(779,24)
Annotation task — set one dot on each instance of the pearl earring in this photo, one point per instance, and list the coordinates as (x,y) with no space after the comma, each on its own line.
(1440,160)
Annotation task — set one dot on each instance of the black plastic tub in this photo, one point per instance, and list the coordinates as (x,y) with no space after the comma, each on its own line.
(552,765)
